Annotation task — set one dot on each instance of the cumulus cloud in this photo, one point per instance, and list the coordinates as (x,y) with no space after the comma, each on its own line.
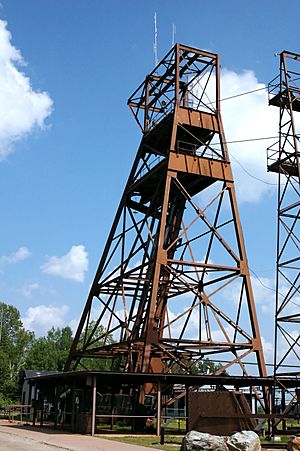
(27,289)
(41,318)
(268,349)
(72,266)
(264,291)
(15,257)
(22,110)
(246,117)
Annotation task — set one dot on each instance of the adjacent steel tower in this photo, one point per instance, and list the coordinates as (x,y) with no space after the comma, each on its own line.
(284,159)
(173,286)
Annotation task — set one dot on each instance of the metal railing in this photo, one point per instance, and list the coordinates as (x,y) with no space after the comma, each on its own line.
(17,412)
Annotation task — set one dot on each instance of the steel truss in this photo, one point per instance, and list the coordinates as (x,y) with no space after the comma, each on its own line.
(283,158)
(173,286)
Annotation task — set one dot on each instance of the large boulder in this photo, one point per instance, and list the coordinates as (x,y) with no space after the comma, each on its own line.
(294,444)
(201,441)
(244,441)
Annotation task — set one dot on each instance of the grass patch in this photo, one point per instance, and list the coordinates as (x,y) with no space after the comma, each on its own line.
(119,428)
(280,445)
(172,443)
(283,439)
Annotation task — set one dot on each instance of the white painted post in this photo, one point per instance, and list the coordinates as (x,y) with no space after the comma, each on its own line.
(94,405)
(158,410)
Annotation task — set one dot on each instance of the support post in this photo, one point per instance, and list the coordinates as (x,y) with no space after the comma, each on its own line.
(72,406)
(42,408)
(29,403)
(158,409)
(94,405)
(34,406)
(55,406)
(271,423)
(283,406)
(187,408)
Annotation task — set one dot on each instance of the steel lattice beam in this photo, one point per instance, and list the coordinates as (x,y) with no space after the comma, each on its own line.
(284,159)
(173,284)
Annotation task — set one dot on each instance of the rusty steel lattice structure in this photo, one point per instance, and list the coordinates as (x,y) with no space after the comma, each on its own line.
(284,159)
(173,286)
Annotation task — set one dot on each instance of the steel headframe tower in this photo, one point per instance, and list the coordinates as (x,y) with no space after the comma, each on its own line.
(173,285)
(284,159)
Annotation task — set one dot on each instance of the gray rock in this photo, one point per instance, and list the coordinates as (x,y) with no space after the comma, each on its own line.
(244,441)
(201,441)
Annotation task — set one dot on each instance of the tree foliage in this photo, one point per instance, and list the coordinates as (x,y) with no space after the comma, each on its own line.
(14,343)
(99,337)
(50,352)
(19,350)
(204,366)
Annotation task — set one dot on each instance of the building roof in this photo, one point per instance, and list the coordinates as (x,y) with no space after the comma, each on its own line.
(34,373)
(111,378)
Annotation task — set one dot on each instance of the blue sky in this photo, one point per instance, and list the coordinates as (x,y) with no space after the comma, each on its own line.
(65,159)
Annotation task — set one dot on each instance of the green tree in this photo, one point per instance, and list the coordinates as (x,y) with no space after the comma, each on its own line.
(96,363)
(204,366)
(50,352)
(14,343)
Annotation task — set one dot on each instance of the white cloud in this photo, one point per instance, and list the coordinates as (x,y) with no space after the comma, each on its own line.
(288,348)
(22,110)
(41,318)
(73,324)
(248,117)
(72,266)
(264,291)
(28,289)
(268,349)
(21,254)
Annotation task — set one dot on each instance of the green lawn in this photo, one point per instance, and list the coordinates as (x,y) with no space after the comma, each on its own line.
(172,443)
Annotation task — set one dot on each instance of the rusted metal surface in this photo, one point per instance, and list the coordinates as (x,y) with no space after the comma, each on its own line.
(173,285)
(284,159)
(219,412)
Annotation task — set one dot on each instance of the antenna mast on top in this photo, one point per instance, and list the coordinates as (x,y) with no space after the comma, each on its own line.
(155,42)
(173,34)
